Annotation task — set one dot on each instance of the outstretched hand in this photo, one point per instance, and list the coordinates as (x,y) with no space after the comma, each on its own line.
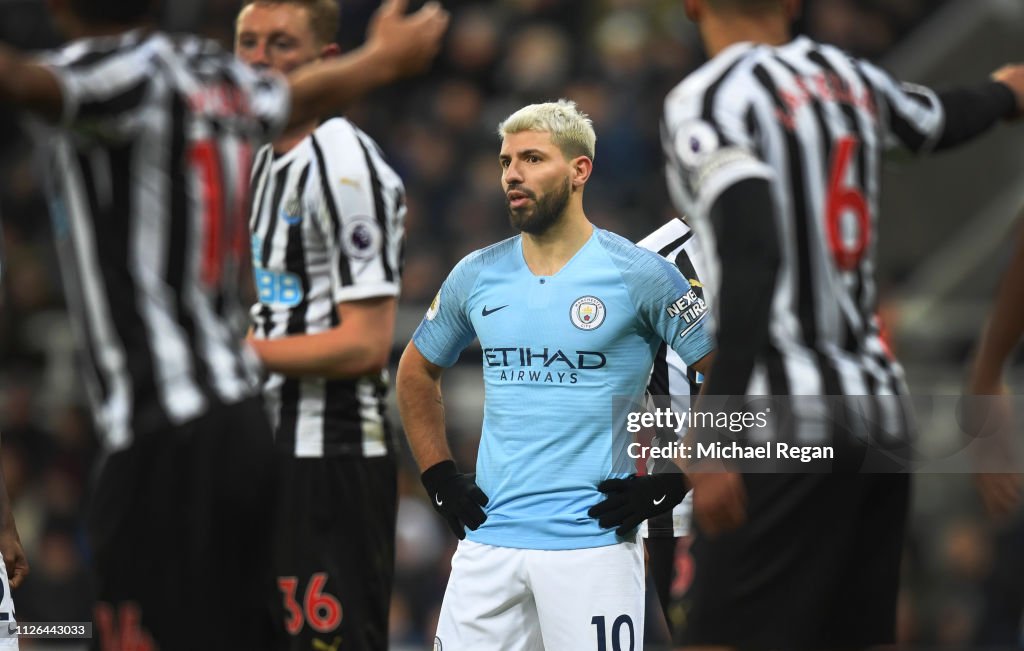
(408,42)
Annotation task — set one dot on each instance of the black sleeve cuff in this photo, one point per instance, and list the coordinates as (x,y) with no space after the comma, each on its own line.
(972,111)
(1006,98)
(437,474)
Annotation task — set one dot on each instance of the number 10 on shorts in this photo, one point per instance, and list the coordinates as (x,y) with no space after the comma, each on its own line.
(621,622)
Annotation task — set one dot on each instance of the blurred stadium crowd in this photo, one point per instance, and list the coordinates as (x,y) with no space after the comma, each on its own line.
(616,58)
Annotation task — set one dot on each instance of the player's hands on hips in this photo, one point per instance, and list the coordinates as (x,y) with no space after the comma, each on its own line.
(408,43)
(14,555)
(719,501)
(1013,76)
(455,496)
(633,499)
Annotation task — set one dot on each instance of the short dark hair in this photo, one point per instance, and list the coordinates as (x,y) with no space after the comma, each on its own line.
(118,12)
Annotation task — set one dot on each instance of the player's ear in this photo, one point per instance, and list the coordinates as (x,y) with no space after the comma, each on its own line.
(330,50)
(582,166)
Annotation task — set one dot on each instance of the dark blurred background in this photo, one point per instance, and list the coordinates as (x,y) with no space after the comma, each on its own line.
(945,228)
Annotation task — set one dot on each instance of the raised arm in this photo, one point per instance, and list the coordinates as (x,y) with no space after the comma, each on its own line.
(922,120)
(397,45)
(971,111)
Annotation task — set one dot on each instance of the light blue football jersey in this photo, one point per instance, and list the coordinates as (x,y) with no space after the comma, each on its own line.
(556,350)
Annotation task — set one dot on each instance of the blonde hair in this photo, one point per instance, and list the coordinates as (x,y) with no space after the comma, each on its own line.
(570,129)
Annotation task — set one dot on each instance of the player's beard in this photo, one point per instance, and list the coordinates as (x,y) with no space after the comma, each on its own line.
(537,217)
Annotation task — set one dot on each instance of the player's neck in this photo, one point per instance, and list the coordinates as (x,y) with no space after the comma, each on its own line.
(289,139)
(723,30)
(548,252)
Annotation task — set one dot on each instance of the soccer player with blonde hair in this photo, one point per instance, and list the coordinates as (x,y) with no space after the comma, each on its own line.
(569,317)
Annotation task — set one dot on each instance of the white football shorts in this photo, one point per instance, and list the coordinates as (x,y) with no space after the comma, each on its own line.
(505,599)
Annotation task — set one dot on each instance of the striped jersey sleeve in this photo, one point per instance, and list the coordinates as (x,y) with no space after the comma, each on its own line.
(110,92)
(363,223)
(911,115)
(102,90)
(708,136)
(675,242)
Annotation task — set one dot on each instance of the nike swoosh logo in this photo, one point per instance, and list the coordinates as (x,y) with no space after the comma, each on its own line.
(438,500)
(659,500)
(487,312)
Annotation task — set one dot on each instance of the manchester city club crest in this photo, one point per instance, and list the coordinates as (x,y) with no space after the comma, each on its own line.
(587,313)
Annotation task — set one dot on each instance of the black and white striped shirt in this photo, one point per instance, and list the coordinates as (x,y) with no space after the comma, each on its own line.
(327,227)
(150,165)
(675,241)
(671,378)
(814,122)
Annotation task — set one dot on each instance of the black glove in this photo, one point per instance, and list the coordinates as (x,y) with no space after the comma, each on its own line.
(455,496)
(632,500)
